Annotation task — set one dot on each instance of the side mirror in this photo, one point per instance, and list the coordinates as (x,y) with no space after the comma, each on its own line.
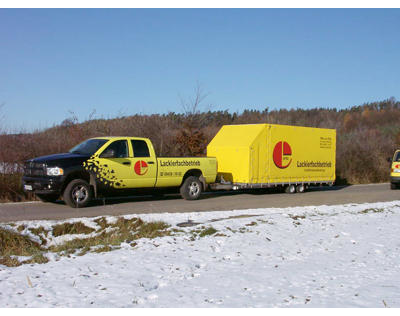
(108,153)
(389,159)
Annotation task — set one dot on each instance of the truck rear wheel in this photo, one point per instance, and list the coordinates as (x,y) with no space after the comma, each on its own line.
(191,188)
(393,186)
(77,193)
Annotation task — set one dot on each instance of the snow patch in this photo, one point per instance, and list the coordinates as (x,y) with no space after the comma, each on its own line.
(315,256)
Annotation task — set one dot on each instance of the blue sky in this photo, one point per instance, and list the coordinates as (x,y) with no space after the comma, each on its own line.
(127,61)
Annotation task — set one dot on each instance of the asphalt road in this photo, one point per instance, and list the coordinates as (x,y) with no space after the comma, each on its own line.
(209,202)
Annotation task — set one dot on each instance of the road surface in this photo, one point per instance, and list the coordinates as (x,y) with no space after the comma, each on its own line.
(212,201)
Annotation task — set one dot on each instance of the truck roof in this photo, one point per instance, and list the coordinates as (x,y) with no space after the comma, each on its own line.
(118,137)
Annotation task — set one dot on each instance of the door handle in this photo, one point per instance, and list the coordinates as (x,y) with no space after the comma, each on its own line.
(150,162)
(126,163)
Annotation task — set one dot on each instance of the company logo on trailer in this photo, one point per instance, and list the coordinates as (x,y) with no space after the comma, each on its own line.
(141,167)
(282,155)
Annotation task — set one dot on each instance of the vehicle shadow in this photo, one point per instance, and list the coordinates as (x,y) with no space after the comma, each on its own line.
(170,196)
(275,190)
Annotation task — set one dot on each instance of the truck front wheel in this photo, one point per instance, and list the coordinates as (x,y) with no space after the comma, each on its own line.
(77,193)
(191,188)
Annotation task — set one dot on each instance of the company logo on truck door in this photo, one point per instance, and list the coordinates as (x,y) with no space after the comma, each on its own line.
(282,155)
(141,167)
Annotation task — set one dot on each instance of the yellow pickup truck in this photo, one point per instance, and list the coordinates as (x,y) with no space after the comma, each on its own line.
(109,164)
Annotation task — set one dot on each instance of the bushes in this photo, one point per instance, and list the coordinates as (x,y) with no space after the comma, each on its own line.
(362,155)
(10,188)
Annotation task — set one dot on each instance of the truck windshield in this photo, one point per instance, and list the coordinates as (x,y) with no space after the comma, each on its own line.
(88,147)
(397,156)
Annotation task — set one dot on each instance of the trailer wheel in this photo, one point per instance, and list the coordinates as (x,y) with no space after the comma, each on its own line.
(77,193)
(191,188)
(300,188)
(291,188)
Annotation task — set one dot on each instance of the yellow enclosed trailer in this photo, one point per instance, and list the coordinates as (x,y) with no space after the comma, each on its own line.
(265,155)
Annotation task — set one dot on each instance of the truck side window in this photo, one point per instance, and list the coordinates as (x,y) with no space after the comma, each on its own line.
(117,149)
(140,148)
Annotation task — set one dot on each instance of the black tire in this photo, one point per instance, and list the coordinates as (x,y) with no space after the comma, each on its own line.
(191,188)
(300,188)
(393,186)
(291,188)
(78,193)
(48,197)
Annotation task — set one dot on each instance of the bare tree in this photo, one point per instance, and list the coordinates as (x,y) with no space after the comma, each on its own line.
(190,138)
(191,105)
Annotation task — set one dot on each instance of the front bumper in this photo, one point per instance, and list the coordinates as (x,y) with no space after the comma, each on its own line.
(395,180)
(42,185)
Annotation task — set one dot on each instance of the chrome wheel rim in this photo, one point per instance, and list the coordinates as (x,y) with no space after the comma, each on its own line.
(79,193)
(194,189)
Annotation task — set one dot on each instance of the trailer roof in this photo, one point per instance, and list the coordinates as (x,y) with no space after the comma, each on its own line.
(237,135)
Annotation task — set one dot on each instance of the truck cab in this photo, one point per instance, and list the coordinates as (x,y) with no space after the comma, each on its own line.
(395,171)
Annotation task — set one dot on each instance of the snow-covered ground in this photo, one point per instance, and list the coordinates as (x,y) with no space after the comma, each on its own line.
(316,256)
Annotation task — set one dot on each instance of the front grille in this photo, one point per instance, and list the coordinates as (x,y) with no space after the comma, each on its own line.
(34,169)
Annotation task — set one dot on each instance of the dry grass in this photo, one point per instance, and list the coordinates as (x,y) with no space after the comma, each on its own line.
(71,228)
(109,237)
(124,230)
(202,232)
(14,244)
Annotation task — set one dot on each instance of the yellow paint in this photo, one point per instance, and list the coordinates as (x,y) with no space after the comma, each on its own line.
(245,153)
(395,164)
(146,172)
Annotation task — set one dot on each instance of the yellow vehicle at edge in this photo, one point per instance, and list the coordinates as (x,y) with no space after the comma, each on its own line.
(395,170)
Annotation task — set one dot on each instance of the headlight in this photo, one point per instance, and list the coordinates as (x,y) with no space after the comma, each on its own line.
(396,170)
(55,171)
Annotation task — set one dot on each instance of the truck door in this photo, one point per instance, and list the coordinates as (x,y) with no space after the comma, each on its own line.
(115,165)
(124,167)
(144,167)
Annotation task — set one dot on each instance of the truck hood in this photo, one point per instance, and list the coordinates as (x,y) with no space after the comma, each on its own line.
(66,159)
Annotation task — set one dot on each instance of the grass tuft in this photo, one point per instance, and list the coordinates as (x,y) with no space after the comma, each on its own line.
(125,231)
(71,228)
(12,243)
(372,210)
(203,232)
